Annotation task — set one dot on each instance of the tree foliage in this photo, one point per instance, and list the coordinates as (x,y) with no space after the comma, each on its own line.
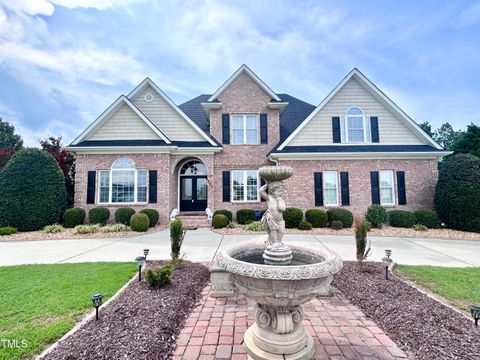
(10,142)
(446,136)
(427,128)
(468,142)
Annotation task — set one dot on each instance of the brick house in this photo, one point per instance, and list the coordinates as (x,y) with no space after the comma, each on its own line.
(354,149)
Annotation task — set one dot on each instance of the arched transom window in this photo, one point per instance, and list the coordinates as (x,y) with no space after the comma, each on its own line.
(123,183)
(356,127)
(193,168)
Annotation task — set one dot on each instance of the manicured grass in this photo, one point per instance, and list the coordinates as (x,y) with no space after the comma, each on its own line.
(460,286)
(40,303)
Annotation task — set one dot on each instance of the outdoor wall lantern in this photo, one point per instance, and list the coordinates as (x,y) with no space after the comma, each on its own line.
(140,261)
(386,262)
(145,253)
(97,302)
(475,310)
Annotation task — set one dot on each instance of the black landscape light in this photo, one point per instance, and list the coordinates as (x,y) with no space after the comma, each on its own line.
(475,310)
(386,262)
(140,261)
(145,253)
(388,252)
(97,302)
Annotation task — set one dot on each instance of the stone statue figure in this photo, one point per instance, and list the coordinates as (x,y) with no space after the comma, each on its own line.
(272,219)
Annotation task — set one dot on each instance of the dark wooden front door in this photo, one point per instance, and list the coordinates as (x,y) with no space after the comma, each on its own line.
(193,193)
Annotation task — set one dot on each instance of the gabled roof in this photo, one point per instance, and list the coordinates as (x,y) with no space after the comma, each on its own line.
(159,91)
(244,69)
(110,110)
(378,94)
(194,110)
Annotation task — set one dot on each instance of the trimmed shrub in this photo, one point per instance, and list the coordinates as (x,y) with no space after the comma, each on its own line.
(87,229)
(361,230)
(176,238)
(7,230)
(254,226)
(428,218)
(420,227)
(232,225)
(219,221)
(305,225)
(336,225)
(318,218)
(159,277)
(114,228)
(245,216)
(293,217)
(457,195)
(153,216)
(98,215)
(52,229)
(401,218)
(139,222)
(343,215)
(123,215)
(32,191)
(377,216)
(73,217)
(227,213)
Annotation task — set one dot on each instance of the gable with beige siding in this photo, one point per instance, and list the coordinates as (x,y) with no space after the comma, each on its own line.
(318,131)
(165,117)
(123,124)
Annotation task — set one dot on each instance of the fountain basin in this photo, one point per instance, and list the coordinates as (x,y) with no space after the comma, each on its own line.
(275,173)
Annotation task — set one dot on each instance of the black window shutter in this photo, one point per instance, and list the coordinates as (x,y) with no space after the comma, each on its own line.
(152,186)
(345,188)
(262,182)
(374,180)
(225,128)
(263,129)
(226,186)
(318,186)
(336,129)
(91,187)
(401,191)
(374,129)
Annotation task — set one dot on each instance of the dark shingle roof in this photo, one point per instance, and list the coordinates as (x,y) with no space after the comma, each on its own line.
(194,110)
(356,148)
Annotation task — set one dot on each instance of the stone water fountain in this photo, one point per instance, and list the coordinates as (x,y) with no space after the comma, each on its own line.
(279,278)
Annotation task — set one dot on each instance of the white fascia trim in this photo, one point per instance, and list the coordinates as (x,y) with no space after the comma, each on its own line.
(214,105)
(112,108)
(148,81)
(277,105)
(244,68)
(140,149)
(377,93)
(359,156)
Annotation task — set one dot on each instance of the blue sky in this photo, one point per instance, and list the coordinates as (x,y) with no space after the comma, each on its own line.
(62,62)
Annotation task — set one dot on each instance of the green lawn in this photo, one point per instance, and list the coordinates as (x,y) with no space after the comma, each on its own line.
(40,303)
(460,286)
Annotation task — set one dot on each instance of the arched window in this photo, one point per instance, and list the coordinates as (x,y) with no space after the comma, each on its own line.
(356,126)
(123,183)
(193,168)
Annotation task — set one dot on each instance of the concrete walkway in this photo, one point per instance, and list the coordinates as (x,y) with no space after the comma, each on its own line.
(203,244)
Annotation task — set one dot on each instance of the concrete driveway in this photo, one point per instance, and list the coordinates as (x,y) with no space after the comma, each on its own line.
(203,244)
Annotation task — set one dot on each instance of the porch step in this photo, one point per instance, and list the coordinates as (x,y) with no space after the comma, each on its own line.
(193,220)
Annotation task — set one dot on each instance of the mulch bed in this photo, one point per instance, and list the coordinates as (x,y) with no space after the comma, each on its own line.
(419,324)
(142,323)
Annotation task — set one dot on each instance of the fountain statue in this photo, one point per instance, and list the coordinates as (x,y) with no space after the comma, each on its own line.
(278,277)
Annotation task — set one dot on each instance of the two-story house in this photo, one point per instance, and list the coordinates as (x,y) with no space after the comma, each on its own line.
(355,149)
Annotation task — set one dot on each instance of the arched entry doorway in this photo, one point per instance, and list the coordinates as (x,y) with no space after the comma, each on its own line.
(193,186)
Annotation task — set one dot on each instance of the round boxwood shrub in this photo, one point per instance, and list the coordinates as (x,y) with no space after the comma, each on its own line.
(377,216)
(73,217)
(123,215)
(428,218)
(336,225)
(305,225)
(457,195)
(292,217)
(227,213)
(318,218)
(153,216)
(32,191)
(343,215)
(139,222)
(98,215)
(401,218)
(219,221)
(245,216)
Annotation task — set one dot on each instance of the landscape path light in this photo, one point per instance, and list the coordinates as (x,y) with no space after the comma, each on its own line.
(475,310)
(140,261)
(97,302)
(386,262)
(145,253)
(388,252)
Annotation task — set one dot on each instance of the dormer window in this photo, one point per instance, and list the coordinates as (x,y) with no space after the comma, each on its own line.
(355,127)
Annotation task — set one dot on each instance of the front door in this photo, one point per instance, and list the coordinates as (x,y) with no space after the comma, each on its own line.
(193,193)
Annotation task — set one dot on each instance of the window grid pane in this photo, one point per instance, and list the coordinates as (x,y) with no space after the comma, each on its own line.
(244,129)
(386,187)
(123,186)
(104,186)
(330,188)
(142,186)
(244,185)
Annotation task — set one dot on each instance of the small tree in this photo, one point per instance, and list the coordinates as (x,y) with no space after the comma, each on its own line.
(468,142)
(176,237)
(10,142)
(361,230)
(446,136)
(427,128)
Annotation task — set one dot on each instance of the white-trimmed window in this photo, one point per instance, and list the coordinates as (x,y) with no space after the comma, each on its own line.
(330,188)
(387,190)
(245,185)
(244,129)
(123,183)
(355,127)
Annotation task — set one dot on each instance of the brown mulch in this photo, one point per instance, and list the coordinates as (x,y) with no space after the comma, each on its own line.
(419,324)
(142,323)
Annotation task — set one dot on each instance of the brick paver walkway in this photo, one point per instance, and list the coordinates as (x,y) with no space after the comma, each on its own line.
(215,328)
